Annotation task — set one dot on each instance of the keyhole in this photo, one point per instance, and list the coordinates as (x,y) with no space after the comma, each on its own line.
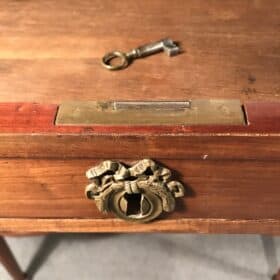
(133,203)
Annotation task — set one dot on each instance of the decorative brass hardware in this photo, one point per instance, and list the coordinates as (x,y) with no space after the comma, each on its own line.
(139,193)
(194,112)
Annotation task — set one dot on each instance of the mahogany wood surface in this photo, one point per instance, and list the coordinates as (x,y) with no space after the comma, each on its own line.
(225,147)
(214,189)
(30,128)
(36,226)
(261,117)
(9,262)
(50,51)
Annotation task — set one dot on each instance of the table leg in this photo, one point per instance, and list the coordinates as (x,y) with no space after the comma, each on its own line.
(9,262)
(277,276)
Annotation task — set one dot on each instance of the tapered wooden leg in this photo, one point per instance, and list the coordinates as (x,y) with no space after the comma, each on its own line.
(277,276)
(9,261)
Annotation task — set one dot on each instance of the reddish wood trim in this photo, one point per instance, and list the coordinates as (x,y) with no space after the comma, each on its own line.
(19,226)
(263,117)
(9,262)
(26,117)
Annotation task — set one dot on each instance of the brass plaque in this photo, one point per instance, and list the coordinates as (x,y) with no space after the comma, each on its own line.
(194,112)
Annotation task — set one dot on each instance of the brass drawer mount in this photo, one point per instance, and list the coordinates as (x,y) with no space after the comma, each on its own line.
(139,193)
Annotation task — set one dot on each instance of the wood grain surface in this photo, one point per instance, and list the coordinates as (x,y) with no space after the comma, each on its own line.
(50,51)
(37,226)
(214,189)
(27,130)
(57,146)
(261,117)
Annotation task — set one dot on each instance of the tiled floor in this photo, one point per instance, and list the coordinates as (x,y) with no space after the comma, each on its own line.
(146,256)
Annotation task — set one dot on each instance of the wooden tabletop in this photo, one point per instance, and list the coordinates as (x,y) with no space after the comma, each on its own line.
(50,51)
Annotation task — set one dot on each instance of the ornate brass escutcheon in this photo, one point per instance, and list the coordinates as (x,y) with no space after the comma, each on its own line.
(139,193)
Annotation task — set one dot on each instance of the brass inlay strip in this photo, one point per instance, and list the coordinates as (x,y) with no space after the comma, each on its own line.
(194,112)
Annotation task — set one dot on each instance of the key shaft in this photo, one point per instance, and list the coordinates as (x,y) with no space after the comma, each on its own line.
(166,45)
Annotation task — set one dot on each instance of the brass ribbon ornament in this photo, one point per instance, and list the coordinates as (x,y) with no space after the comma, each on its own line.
(138,193)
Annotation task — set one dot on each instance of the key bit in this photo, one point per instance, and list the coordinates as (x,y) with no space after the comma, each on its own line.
(166,45)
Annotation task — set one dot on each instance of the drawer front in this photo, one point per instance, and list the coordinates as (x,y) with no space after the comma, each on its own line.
(213,189)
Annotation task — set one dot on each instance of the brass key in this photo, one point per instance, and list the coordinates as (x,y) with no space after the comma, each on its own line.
(166,45)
